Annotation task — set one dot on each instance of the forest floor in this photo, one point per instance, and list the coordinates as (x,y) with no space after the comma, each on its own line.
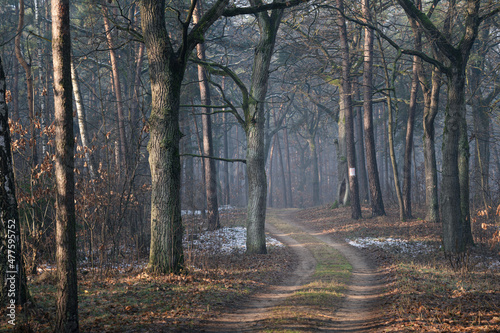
(392,277)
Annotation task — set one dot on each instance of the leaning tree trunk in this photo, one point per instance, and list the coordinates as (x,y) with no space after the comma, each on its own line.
(11,260)
(82,122)
(67,285)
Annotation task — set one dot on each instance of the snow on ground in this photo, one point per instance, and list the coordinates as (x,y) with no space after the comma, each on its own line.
(225,240)
(198,212)
(391,244)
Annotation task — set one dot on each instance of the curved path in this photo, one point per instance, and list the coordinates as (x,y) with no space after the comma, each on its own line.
(360,311)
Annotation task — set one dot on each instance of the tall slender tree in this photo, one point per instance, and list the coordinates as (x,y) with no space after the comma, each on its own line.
(67,285)
(346,105)
(377,203)
(208,149)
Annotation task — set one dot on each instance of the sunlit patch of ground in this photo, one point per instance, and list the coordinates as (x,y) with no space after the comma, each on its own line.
(427,294)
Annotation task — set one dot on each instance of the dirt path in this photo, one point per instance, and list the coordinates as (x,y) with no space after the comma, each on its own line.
(360,311)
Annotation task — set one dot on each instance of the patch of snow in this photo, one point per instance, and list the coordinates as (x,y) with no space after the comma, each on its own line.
(391,244)
(225,240)
(198,212)
(190,212)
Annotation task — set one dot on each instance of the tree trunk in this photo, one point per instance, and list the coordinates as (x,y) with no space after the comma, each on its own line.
(270,186)
(67,285)
(409,137)
(431,106)
(315,171)
(29,83)
(135,110)
(363,178)
(11,259)
(340,144)
(392,153)
(453,177)
(118,90)
(257,184)
(283,179)
(288,168)
(481,118)
(82,122)
(254,122)
(166,73)
(208,150)
(227,190)
(377,203)
(349,123)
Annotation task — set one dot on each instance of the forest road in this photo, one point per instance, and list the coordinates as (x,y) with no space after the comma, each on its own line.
(361,309)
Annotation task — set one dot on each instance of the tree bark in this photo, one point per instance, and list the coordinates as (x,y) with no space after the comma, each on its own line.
(227,191)
(118,91)
(360,149)
(409,136)
(270,185)
(67,285)
(343,193)
(288,168)
(349,123)
(29,83)
(431,106)
(82,122)
(315,171)
(166,74)
(282,168)
(208,150)
(377,203)
(254,122)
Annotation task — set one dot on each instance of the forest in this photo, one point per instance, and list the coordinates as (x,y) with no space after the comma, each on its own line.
(320,139)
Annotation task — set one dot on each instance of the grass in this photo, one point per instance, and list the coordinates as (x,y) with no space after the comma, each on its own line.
(321,295)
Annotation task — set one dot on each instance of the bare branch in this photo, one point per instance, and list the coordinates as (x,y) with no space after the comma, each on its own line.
(230,160)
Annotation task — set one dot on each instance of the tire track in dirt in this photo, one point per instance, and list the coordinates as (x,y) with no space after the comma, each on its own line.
(361,310)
